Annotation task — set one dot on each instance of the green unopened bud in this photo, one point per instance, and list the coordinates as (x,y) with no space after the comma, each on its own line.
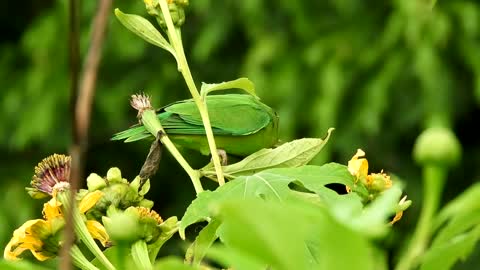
(379,182)
(115,175)
(95,182)
(118,192)
(122,227)
(175,7)
(437,146)
(149,222)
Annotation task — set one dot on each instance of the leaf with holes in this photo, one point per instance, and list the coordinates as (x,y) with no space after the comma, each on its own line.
(272,185)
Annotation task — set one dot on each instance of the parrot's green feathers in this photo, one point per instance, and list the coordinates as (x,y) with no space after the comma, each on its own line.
(233,115)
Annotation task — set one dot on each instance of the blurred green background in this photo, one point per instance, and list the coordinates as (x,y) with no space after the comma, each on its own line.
(377,71)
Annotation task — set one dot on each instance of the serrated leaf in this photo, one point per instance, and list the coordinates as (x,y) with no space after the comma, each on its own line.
(463,203)
(144,29)
(269,185)
(457,225)
(282,236)
(241,83)
(288,155)
(444,256)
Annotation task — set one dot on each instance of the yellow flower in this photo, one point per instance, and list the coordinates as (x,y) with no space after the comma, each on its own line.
(31,236)
(358,166)
(375,183)
(40,235)
(95,228)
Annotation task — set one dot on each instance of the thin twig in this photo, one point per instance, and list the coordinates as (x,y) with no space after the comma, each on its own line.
(74,62)
(82,96)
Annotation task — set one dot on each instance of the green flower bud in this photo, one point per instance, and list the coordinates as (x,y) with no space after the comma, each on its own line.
(437,146)
(176,8)
(122,227)
(115,175)
(95,182)
(118,192)
(149,222)
(379,182)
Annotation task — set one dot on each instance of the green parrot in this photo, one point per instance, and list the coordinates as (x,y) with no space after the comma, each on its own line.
(241,124)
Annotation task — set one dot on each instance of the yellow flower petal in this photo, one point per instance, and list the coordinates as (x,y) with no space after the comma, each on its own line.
(358,166)
(89,201)
(396,218)
(52,209)
(97,231)
(27,237)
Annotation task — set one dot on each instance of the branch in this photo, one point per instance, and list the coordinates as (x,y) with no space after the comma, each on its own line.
(82,98)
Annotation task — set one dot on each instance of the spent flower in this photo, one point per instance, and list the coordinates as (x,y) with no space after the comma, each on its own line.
(52,172)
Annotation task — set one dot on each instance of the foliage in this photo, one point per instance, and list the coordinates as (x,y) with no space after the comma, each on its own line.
(378,75)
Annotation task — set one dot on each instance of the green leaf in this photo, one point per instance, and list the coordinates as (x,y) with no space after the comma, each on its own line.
(172,263)
(20,265)
(457,225)
(292,154)
(443,256)
(292,235)
(466,202)
(241,83)
(144,29)
(202,243)
(270,185)
(235,259)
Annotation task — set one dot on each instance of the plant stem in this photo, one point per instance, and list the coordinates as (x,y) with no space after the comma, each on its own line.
(79,259)
(175,38)
(152,124)
(82,231)
(433,178)
(140,257)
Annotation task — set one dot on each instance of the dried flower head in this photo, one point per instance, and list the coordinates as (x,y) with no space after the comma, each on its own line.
(141,103)
(50,172)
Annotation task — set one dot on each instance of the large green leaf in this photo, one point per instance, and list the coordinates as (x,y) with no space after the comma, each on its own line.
(270,185)
(288,155)
(466,202)
(443,256)
(292,235)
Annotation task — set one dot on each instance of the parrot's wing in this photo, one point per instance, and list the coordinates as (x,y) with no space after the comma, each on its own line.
(229,115)
(132,134)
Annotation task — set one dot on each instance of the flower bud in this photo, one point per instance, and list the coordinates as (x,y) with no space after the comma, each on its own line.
(175,7)
(95,182)
(437,146)
(115,175)
(379,182)
(122,227)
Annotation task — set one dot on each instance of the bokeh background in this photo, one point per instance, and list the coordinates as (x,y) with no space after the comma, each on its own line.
(377,71)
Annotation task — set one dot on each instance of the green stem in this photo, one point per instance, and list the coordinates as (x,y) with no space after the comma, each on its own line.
(82,231)
(152,124)
(175,39)
(433,177)
(140,255)
(79,259)
(122,255)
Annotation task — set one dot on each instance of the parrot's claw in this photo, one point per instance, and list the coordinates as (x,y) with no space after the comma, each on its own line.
(223,156)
